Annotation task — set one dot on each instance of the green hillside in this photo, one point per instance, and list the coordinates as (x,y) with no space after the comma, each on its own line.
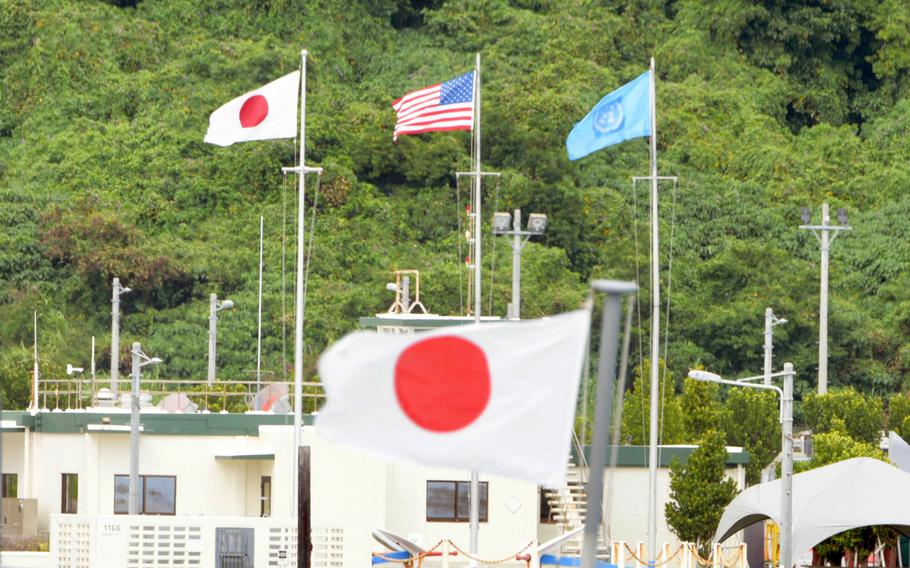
(763,107)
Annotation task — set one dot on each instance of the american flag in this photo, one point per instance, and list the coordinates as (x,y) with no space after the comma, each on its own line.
(445,106)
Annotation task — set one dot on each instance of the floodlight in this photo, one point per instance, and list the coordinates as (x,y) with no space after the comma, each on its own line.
(227,304)
(842,216)
(391,287)
(804,214)
(153,361)
(537,223)
(124,290)
(502,222)
(700,375)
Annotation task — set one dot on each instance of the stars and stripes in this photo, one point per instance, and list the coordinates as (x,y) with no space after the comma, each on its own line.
(445,106)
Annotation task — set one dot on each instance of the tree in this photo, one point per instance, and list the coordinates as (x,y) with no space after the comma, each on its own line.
(699,491)
(751,419)
(636,411)
(859,416)
(701,410)
(899,414)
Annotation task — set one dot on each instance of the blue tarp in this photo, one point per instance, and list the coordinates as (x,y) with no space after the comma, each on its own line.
(550,560)
(399,555)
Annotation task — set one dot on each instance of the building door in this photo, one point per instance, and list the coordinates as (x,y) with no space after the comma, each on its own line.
(234,548)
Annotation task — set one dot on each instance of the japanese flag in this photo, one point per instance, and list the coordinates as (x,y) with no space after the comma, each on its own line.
(266,113)
(497,398)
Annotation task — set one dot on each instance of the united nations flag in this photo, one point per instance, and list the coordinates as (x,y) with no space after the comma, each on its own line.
(623,114)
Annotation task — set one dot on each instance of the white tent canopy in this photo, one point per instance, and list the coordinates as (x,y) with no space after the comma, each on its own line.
(898,451)
(828,500)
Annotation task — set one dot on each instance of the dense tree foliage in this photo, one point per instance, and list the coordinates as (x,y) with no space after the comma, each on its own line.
(763,106)
(699,491)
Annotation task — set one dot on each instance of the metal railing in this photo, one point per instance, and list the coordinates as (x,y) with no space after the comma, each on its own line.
(233,396)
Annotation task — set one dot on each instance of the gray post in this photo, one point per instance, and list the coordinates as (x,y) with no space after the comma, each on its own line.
(603,406)
(406,294)
(134,432)
(35,371)
(213,317)
(115,336)
(823,308)
(516,266)
(769,315)
(786,515)
(259,322)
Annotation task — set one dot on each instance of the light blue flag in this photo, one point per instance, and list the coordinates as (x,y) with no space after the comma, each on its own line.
(623,114)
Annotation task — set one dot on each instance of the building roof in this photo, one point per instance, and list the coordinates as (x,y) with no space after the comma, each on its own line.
(160,423)
(247,424)
(637,456)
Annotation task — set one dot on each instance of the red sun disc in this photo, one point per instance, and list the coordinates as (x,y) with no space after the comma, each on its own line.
(253,111)
(442,383)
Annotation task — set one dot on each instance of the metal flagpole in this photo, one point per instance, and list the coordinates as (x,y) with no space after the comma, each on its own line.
(301,170)
(475,479)
(655,330)
(298,296)
(259,332)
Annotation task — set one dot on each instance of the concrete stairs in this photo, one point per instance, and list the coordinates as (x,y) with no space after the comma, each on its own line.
(569,507)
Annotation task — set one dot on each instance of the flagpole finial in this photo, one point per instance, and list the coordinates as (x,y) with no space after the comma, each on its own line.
(304,53)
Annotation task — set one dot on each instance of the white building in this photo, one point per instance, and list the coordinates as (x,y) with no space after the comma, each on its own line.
(240,466)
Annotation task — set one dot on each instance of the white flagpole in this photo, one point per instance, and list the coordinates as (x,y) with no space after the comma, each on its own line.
(655,330)
(298,298)
(259,331)
(475,478)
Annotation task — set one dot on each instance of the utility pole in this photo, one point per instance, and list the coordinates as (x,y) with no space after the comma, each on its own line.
(821,232)
(115,336)
(537,224)
(786,470)
(214,307)
(770,321)
(140,360)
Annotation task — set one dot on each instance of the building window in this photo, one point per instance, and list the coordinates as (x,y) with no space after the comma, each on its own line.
(265,496)
(547,513)
(449,501)
(9,485)
(157,494)
(69,493)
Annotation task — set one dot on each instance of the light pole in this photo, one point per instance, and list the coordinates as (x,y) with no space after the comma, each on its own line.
(215,306)
(115,336)
(140,360)
(770,321)
(821,232)
(786,420)
(537,225)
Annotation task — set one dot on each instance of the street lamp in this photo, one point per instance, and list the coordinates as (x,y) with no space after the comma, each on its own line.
(770,321)
(140,360)
(821,232)
(118,289)
(215,306)
(537,225)
(786,420)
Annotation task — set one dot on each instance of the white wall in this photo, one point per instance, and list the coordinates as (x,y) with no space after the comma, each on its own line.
(505,532)
(629,510)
